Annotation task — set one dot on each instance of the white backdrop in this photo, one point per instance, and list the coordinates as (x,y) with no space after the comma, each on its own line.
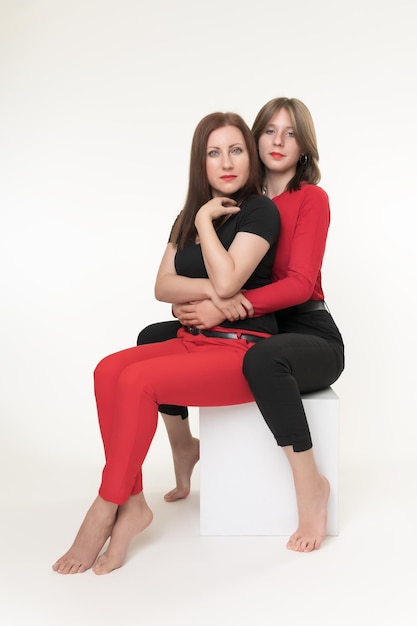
(99,100)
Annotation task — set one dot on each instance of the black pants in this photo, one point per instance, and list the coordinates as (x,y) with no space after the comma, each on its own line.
(307,355)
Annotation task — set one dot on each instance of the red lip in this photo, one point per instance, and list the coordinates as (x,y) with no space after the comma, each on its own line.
(276,155)
(228,177)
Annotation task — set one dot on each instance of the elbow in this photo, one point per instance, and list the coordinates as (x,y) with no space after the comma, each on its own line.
(226,293)
(162,290)
(226,290)
(158,293)
(305,290)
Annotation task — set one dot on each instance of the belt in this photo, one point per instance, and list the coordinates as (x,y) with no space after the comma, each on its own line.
(221,335)
(306,307)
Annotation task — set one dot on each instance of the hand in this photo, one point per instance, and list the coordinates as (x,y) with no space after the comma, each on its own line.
(216,207)
(208,313)
(236,308)
(201,314)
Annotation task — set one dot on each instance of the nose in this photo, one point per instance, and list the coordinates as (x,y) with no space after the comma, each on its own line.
(227,162)
(278,139)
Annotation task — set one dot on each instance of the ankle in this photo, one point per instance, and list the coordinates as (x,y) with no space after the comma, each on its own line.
(184,446)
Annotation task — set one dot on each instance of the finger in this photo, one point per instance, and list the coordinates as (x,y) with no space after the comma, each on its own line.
(248,306)
(236,313)
(243,314)
(230,208)
(228,201)
(188,320)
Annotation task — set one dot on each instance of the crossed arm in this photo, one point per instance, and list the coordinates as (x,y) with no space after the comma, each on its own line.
(227,270)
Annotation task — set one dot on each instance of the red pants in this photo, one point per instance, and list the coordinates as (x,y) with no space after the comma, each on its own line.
(129,386)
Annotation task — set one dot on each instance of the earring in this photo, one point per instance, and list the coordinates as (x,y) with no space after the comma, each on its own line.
(303,159)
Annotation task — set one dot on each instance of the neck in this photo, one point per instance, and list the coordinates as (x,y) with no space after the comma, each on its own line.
(276,184)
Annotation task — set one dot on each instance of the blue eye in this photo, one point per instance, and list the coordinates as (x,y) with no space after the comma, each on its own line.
(237,150)
(213,153)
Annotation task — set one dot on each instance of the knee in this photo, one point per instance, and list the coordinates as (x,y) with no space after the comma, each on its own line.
(112,371)
(106,369)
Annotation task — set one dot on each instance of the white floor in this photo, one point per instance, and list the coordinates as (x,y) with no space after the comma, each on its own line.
(366,575)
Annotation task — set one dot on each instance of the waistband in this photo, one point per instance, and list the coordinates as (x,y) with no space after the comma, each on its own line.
(307,307)
(224,335)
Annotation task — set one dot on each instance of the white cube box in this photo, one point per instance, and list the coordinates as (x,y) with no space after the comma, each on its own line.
(246,485)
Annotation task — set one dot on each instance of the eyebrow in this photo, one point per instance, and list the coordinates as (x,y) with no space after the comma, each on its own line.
(232,145)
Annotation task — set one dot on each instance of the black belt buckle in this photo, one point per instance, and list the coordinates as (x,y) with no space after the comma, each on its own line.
(192,330)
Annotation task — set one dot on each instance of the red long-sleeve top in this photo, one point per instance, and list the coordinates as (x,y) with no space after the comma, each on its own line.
(305,219)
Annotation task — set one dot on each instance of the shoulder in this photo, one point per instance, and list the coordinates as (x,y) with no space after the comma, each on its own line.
(259,215)
(258,202)
(261,206)
(314,192)
(307,198)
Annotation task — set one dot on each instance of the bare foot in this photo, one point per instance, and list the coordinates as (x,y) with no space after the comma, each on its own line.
(185,459)
(132,517)
(93,534)
(312,514)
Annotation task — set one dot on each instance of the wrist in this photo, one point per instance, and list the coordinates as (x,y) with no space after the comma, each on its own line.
(202,218)
(211,293)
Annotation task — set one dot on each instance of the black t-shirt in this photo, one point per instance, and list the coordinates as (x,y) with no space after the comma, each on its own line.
(257,215)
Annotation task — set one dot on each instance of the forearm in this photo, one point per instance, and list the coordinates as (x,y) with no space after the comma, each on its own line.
(279,295)
(219,264)
(209,313)
(297,274)
(177,289)
(229,269)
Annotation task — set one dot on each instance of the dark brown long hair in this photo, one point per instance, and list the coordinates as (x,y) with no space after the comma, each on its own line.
(305,135)
(199,191)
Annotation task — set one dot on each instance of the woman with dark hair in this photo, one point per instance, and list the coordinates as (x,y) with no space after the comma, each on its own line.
(223,240)
(307,354)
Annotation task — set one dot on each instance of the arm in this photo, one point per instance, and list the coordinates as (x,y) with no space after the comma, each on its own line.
(305,220)
(176,289)
(299,255)
(170,287)
(228,270)
(207,314)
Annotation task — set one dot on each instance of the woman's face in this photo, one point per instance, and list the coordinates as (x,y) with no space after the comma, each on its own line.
(227,161)
(278,148)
